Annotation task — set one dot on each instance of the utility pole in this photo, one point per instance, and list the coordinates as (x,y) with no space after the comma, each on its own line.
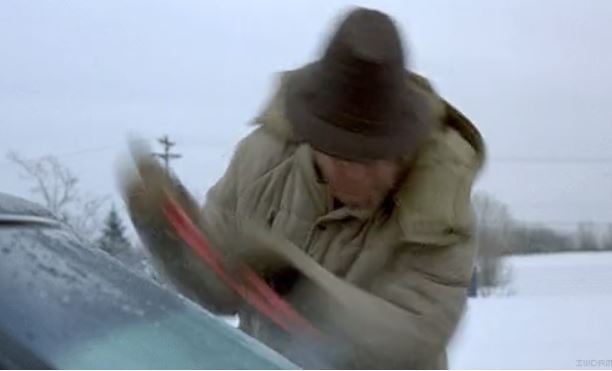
(166,155)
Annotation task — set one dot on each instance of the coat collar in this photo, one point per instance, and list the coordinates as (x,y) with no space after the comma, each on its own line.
(432,204)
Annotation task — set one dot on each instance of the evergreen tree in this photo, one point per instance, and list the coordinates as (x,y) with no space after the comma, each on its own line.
(113,239)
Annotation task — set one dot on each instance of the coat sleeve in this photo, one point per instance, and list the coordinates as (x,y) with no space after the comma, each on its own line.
(220,216)
(427,285)
(220,219)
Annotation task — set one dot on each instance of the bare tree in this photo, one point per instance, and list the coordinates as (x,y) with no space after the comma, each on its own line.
(606,243)
(86,219)
(539,239)
(586,238)
(493,237)
(58,189)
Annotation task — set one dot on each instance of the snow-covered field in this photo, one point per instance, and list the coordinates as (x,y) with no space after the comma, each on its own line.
(559,315)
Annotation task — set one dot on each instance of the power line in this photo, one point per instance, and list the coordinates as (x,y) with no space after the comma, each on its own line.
(554,160)
(566,223)
(93,149)
(83,151)
(165,141)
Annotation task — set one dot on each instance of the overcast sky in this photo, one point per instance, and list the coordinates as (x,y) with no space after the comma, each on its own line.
(76,77)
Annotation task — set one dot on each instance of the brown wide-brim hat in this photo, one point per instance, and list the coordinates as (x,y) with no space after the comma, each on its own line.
(356,103)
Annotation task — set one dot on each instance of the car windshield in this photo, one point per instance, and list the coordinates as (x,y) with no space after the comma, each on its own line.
(74,307)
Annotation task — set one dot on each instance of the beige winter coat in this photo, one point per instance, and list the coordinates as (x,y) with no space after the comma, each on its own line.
(404,268)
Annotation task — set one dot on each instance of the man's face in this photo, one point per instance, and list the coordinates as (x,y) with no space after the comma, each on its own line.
(360,185)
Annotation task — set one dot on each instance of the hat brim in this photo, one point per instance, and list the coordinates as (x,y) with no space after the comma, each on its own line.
(414,129)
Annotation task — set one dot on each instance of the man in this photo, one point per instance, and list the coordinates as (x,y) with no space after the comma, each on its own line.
(366,174)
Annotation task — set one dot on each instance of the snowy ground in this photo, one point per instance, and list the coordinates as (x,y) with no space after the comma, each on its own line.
(559,315)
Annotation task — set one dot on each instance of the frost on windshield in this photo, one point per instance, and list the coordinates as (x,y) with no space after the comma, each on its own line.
(17,206)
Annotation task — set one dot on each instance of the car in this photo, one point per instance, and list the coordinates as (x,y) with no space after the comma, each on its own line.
(65,304)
